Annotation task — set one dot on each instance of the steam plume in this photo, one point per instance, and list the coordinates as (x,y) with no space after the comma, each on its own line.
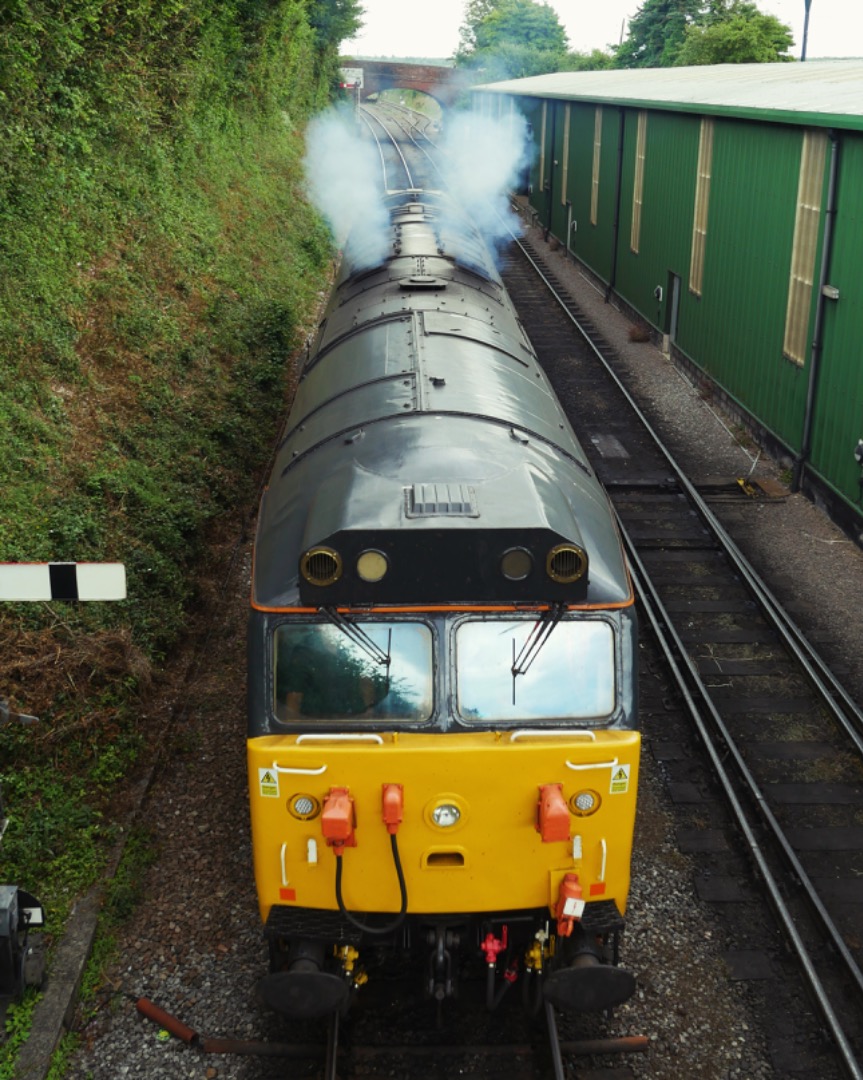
(480,160)
(345,182)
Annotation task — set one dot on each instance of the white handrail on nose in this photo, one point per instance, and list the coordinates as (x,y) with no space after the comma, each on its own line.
(347,737)
(592,764)
(550,733)
(298,772)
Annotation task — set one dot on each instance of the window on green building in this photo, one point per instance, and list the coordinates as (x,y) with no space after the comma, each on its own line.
(638,181)
(702,201)
(594,181)
(804,253)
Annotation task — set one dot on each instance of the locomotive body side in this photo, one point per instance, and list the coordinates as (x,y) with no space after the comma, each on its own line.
(442,644)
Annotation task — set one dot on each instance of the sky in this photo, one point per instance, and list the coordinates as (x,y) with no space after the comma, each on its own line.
(429,28)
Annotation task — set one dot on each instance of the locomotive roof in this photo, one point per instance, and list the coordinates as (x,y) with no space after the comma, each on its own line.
(423,421)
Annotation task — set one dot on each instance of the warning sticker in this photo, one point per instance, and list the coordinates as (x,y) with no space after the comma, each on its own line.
(268,780)
(573,908)
(619,780)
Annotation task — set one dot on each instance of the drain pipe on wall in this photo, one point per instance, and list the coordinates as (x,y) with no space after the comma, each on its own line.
(817,344)
(552,163)
(615,232)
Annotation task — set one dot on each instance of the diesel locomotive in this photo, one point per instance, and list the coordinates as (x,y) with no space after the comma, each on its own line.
(442,743)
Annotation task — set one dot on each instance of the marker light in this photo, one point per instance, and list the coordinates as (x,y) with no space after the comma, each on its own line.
(372,566)
(584,803)
(516,564)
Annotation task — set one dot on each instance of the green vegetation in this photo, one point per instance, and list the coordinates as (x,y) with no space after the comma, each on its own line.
(19,1017)
(737,33)
(664,33)
(158,266)
(509,39)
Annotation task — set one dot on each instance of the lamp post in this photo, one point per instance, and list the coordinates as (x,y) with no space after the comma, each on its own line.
(808,4)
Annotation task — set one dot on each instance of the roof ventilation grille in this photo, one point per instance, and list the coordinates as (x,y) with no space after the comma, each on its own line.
(440,500)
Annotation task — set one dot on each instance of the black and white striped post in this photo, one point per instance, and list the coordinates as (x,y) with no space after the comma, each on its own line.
(62,581)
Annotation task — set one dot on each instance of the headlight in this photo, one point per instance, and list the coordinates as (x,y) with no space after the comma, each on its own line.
(303,807)
(445,815)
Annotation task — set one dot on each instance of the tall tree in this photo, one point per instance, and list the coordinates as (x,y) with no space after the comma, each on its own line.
(657,32)
(743,35)
(335,21)
(671,32)
(511,38)
(474,13)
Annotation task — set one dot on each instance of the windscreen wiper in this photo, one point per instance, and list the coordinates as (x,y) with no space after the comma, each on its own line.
(536,639)
(361,639)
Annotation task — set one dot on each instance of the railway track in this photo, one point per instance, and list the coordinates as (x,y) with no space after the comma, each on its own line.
(401,145)
(360,1046)
(781,742)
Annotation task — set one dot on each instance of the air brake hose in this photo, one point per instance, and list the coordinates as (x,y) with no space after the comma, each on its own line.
(377,931)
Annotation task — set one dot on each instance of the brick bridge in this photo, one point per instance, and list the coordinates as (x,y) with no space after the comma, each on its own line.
(441,83)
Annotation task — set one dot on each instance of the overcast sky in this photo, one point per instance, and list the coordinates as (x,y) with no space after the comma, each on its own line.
(430,27)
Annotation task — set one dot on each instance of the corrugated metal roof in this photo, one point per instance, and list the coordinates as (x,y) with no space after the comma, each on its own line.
(818,92)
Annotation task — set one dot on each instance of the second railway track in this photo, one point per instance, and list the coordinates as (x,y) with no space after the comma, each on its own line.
(782,736)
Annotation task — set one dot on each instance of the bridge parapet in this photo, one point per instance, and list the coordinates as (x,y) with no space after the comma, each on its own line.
(436,80)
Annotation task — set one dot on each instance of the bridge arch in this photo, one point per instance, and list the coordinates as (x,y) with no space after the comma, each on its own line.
(373,76)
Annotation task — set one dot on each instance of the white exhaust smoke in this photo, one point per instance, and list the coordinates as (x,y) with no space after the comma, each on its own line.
(479,161)
(345,182)
(482,158)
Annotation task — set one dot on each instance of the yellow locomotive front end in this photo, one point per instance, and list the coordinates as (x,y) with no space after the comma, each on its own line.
(468,769)
(490,820)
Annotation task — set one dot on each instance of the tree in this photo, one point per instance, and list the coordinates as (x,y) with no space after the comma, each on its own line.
(657,32)
(672,32)
(335,21)
(521,22)
(511,38)
(474,13)
(596,60)
(743,36)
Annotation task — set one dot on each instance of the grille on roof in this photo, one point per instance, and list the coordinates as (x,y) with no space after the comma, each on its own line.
(440,500)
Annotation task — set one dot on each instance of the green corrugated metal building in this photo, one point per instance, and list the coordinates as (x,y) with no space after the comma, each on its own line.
(724,205)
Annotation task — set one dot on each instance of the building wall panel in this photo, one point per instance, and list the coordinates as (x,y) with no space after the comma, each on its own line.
(667,202)
(735,330)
